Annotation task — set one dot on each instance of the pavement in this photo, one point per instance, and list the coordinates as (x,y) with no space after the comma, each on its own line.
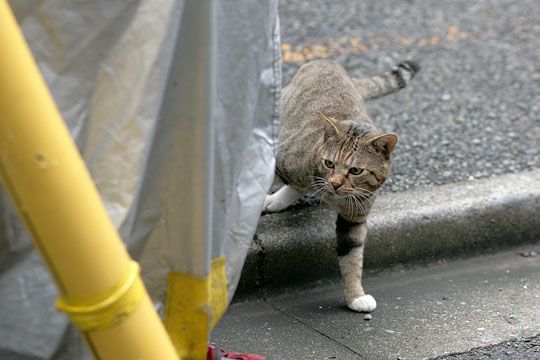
(458,262)
(297,246)
(454,237)
(423,312)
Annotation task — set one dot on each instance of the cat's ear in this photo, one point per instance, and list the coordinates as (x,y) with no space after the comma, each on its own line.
(331,126)
(385,142)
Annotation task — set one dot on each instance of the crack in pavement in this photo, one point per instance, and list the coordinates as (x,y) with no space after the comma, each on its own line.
(263,292)
(314,329)
(260,279)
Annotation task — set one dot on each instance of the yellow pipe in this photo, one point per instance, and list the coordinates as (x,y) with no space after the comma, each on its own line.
(45,176)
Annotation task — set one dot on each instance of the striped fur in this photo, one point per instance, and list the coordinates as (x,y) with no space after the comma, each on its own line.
(388,82)
(347,238)
(329,147)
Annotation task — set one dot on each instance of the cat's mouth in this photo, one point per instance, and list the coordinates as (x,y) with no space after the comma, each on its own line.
(339,193)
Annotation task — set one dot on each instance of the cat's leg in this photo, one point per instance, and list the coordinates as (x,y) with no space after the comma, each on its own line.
(281,199)
(350,248)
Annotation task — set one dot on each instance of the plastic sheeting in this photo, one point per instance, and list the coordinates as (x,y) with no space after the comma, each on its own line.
(174,107)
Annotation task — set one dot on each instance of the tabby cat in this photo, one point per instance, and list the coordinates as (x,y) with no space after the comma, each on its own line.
(329,147)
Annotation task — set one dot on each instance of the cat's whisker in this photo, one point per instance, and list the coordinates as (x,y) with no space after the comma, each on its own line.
(359,203)
(357,191)
(361,197)
(323,194)
(316,183)
(320,192)
(364,191)
(354,206)
(315,186)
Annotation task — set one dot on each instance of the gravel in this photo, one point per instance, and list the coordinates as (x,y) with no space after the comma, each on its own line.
(474,109)
(523,349)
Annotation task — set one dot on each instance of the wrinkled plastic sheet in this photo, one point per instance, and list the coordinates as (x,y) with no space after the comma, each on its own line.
(177,128)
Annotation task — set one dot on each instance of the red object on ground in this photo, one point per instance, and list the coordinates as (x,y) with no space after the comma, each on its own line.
(214,354)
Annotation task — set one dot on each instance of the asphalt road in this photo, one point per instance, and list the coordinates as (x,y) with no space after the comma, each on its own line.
(474,109)
(524,349)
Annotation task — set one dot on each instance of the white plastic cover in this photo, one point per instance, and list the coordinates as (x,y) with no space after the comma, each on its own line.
(174,106)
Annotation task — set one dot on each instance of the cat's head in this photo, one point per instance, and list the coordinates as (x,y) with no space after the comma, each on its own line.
(353,160)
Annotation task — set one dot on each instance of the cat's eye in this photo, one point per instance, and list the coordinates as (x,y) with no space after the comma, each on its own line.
(355,171)
(329,164)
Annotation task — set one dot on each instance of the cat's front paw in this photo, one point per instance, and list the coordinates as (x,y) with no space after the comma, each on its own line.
(364,303)
(281,199)
(273,203)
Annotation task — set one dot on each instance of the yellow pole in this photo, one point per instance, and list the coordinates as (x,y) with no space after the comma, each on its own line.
(41,169)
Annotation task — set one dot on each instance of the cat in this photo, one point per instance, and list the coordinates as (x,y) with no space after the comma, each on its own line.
(329,147)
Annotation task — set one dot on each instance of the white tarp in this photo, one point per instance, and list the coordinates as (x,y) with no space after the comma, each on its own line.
(174,107)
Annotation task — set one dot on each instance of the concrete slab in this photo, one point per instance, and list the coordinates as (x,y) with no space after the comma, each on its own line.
(297,246)
(253,326)
(422,313)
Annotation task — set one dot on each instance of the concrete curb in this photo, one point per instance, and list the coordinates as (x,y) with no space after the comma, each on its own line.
(298,247)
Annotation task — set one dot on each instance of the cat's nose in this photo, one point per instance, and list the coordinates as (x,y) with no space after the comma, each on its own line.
(335,184)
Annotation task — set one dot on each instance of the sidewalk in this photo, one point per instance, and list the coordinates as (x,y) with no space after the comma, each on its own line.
(297,246)
(422,312)
(448,265)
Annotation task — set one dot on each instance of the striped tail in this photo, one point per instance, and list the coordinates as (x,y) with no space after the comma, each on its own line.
(388,82)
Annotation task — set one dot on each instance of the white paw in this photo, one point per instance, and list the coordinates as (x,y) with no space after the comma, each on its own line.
(281,199)
(272,203)
(364,303)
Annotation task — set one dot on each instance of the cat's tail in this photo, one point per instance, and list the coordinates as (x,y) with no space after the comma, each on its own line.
(388,82)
